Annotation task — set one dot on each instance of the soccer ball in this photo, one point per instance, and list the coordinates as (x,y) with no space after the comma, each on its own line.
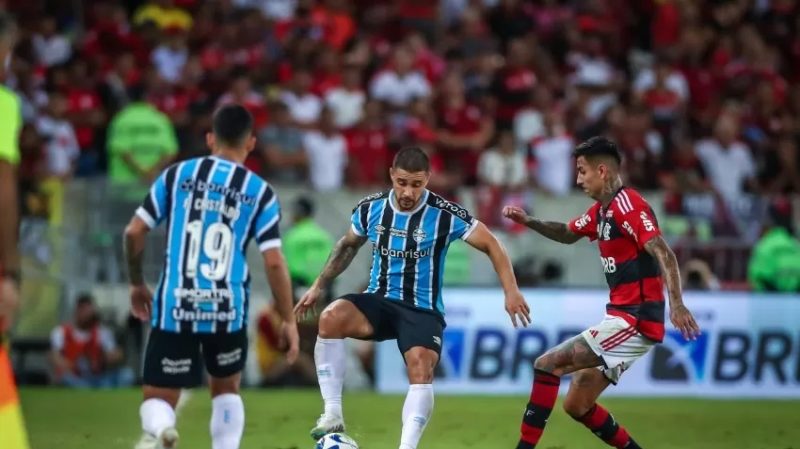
(336,441)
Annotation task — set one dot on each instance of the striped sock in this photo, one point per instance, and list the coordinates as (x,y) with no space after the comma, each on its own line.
(603,424)
(543,398)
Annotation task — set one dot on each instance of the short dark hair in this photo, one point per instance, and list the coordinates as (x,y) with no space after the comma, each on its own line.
(84,299)
(598,146)
(232,124)
(304,206)
(412,159)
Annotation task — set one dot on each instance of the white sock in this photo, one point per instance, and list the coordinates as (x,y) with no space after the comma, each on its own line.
(329,356)
(416,414)
(227,421)
(156,415)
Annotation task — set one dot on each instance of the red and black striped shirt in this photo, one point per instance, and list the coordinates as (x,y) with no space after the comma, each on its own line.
(633,275)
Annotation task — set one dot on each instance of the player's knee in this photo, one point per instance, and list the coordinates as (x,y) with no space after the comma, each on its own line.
(542,363)
(330,323)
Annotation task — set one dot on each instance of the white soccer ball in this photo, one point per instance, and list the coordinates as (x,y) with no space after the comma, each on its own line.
(336,441)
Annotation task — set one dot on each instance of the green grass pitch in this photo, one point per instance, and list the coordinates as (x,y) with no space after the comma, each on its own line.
(280,419)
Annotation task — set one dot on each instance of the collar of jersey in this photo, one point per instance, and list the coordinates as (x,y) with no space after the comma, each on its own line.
(422,202)
(222,159)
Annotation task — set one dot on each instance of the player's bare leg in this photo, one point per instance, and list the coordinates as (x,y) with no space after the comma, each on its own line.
(570,356)
(581,404)
(158,417)
(340,320)
(227,415)
(420,363)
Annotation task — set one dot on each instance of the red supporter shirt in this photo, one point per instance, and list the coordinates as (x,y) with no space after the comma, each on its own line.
(82,101)
(633,275)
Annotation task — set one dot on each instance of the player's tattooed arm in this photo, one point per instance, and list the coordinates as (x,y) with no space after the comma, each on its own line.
(568,357)
(135,234)
(680,316)
(661,251)
(340,258)
(553,230)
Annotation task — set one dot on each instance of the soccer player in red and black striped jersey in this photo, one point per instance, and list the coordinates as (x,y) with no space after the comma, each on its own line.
(637,262)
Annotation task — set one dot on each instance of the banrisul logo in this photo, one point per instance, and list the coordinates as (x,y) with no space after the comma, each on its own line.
(680,360)
(452,360)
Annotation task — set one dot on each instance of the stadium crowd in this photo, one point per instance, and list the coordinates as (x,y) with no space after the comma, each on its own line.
(702,96)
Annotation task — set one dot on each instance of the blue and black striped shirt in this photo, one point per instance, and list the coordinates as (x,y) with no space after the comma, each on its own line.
(409,248)
(213,208)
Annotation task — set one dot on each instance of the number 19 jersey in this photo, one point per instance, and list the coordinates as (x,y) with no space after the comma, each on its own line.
(213,208)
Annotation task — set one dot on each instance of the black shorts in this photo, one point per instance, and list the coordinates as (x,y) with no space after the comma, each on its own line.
(173,360)
(393,320)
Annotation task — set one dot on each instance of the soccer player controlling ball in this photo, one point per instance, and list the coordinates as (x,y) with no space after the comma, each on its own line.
(410,229)
(213,207)
(634,258)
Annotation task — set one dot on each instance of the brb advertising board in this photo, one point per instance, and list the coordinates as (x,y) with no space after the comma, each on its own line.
(749,346)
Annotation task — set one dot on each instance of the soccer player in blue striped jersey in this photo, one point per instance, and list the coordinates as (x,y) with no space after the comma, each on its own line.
(213,208)
(410,229)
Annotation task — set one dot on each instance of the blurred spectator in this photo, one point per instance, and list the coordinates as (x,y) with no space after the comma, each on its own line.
(697,275)
(399,84)
(552,157)
(278,10)
(513,84)
(326,149)
(775,261)
(304,106)
(51,48)
(727,161)
(170,57)
(86,113)
(241,92)
(502,174)
(164,14)
(347,101)
(464,129)
(85,354)
(502,166)
(61,153)
(282,145)
(141,143)
(270,348)
(783,168)
(368,149)
(306,244)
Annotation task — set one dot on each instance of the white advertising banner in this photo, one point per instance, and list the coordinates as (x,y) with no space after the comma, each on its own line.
(750,346)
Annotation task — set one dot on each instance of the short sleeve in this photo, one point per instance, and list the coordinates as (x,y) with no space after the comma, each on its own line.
(463,222)
(585,224)
(267,221)
(639,222)
(154,207)
(358,220)
(57,339)
(463,228)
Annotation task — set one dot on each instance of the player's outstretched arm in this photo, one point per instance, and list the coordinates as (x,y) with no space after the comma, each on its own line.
(680,316)
(141,297)
(281,285)
(553,230)
(340,258)
(483,240)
